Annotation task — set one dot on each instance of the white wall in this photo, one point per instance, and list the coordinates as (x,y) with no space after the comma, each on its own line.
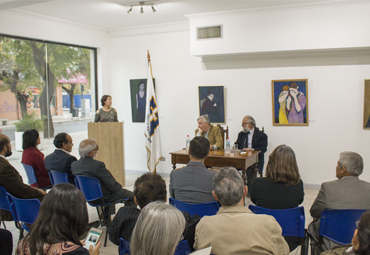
(286,28)
(335,102)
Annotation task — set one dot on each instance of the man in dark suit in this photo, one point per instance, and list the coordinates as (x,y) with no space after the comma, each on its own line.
(252,139)
(11,180)
(60,159)
(193,183)
(348,192)
(88,166)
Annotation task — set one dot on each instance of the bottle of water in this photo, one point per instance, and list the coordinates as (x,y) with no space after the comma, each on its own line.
(187,142)
(228,149)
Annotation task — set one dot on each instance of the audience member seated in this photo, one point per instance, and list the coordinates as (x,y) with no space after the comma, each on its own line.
(148,188)
(193,183)
(252,139)
(60,159)
(235,229)
(11,180)
(360,242)
(62,220)
(158,230)
(348,192)
(210,132)
(282,188)
(35,158)
(88,166)
(6,242)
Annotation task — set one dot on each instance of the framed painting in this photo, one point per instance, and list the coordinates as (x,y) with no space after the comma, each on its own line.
(367,105)
(212,102)
(289,102)
(138,99)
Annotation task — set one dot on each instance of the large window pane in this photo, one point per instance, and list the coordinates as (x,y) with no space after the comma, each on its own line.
(53,82)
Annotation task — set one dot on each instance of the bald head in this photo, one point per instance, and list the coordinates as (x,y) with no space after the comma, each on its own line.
(5,147)
(88,147)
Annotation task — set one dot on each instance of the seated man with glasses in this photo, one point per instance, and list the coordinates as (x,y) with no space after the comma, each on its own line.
(88,166)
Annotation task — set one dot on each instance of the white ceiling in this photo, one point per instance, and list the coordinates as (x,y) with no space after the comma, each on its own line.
(112,14)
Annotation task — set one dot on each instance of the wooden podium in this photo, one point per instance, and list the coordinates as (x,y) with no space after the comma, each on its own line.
(109,136)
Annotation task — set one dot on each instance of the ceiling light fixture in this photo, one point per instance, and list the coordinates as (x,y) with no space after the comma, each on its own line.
(141,4)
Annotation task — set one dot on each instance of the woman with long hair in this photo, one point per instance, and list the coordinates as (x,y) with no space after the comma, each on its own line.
(158,230)
(62,220)
(282,188)
(107,113)
(35,158)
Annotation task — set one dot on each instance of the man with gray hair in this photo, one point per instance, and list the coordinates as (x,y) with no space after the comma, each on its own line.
(235,229)
(348,192)
(210,132)
(249,139)
(88,166)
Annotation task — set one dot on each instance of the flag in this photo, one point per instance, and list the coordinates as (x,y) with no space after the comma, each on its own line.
(153,142)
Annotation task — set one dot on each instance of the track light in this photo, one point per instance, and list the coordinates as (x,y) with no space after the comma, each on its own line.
(141,4)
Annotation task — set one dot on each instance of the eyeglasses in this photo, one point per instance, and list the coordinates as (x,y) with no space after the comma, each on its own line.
(96,149)
(244,123)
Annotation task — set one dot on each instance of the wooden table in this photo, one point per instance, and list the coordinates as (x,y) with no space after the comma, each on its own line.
(220,158)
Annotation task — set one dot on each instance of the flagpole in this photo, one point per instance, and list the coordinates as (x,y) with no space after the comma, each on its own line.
(150,64)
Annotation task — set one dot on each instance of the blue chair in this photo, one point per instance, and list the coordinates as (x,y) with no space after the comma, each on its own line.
(24,211)
(183,248)
(291,221)
(90,187)
(4,205)
(204,209)
(57,177)
(30,172)
(124,247)
(339,225)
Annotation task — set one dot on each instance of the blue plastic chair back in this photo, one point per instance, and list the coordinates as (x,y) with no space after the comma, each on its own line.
(339,225)
(90,187)
(204,209)
(183,248)
(24,210)
(57,177)
(30,172)
(291,221)
(4,204)
(124,247)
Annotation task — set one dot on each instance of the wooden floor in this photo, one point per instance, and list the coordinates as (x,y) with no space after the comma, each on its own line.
(112,249)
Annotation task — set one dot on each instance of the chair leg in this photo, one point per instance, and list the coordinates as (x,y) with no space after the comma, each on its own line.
(20,234)
(4,224)
(305,244)
(108,224)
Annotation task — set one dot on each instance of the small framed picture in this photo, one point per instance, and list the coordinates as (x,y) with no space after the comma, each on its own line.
(212,102)
(289,102)
(367,105)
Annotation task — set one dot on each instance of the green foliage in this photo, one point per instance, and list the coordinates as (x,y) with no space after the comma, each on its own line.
(31,121)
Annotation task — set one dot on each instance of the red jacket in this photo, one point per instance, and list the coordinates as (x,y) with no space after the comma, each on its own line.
(35,158)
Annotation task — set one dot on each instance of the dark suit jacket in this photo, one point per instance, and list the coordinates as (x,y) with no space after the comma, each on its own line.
(124,222)
(90,167)
(259,143)
(276,195)
(60,161)
(12,181)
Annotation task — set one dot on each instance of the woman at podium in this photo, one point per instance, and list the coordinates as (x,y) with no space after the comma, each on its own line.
(107,113)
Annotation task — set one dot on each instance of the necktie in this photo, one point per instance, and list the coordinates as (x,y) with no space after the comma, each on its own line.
(246,141)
